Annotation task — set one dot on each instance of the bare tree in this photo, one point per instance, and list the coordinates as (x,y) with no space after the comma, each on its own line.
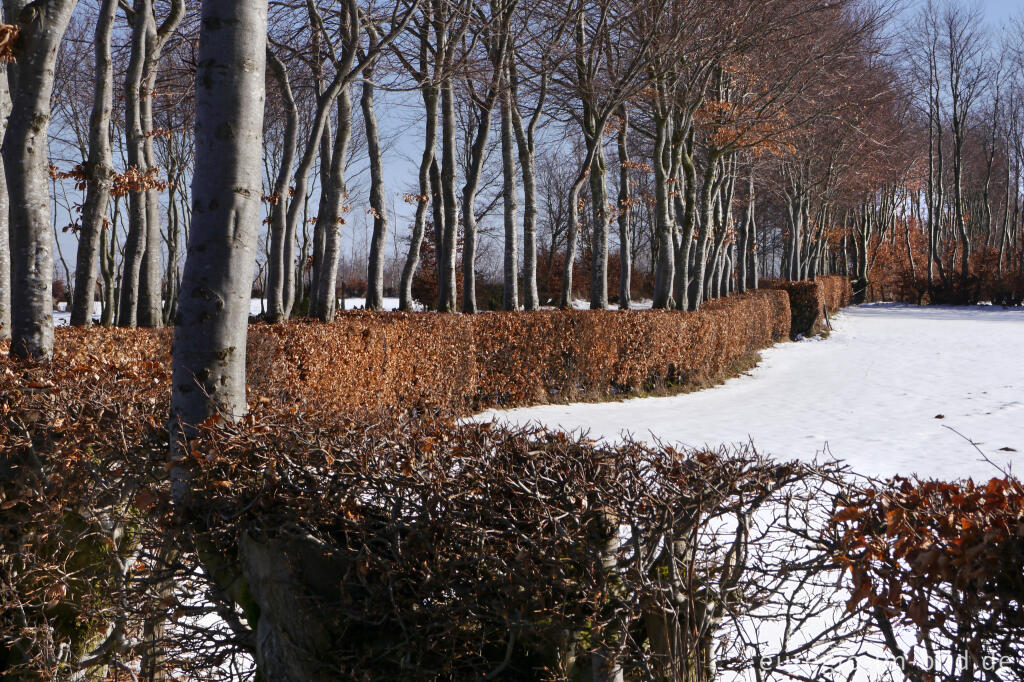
(375,266)
(429,93)
(966,73)
(99,172)
(141,283)
(42,25)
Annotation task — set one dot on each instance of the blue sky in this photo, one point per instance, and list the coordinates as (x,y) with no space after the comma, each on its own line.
(998,12)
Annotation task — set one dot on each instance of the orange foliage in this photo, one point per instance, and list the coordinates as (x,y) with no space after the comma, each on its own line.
(942,557)
(809,299)
(8,36)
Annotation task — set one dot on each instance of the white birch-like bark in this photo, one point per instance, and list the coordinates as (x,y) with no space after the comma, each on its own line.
(42,26)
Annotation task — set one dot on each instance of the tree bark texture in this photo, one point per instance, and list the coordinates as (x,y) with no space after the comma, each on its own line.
(26,161)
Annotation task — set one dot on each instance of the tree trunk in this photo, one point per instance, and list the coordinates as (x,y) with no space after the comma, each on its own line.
(624,216)
(135,242)
(412,261)
(686,205)
(664,274)
(151,278)
(300,182)
(510,293)
(276,263)
(26,163)
(378,242)
(99,171)
(210,330)
(571,240)
(469,190)
(323,298)
(704,232)
(171,287)
(573,227)
(447,254)
(327,143)
(599,240)
(108,269)
(528,165)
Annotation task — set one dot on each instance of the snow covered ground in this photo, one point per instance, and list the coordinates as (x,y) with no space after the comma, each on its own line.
(896,389)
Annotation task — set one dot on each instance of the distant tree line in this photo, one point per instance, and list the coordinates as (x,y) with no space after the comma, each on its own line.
(676,150)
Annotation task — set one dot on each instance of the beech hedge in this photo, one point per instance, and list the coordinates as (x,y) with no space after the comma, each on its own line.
(455,364)
(367,362)
(809,299)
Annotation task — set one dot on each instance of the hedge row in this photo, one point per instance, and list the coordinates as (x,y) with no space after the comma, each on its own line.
(454,364)
(364,363)
(809,299)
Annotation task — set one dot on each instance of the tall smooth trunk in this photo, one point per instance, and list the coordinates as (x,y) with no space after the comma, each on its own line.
(510,290)
(526,146)
(708,194)
(276,262)
(324,302)
(301,183)
(412,260)
(378,242)
(594,140)
(599,237)
(528,166)
(447,255)
(150,312)
(151,278)
(686,206)
(26,164)
(745,249)
(108,247)
(469,190)
(99,172)
(571,241)
(327,143)
(664,274)
(211,327)
(135,242)
(625,212)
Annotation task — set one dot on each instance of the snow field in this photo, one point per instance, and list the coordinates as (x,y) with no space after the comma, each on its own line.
(895,390)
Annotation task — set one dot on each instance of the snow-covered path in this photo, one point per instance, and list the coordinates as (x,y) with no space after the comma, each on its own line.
(872,395)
